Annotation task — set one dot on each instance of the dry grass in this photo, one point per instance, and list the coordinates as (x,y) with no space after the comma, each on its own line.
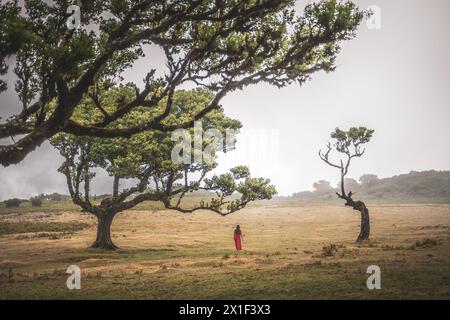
(291,252)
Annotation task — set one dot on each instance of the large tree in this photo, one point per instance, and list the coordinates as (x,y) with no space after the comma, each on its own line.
(148,159)
(349,144)
(222,45)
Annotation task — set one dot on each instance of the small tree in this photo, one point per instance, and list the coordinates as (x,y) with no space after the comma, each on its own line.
(36,201)
(322,187)
(349,144)
(147,158)
(369,180)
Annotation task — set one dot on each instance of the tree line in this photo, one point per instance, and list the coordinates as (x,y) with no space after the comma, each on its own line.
(426,186)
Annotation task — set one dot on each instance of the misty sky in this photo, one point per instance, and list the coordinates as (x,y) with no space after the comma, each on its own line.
(395,80)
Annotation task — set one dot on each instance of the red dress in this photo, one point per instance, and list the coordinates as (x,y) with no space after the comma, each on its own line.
(237,239)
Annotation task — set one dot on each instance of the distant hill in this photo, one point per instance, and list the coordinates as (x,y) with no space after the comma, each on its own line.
(418,187)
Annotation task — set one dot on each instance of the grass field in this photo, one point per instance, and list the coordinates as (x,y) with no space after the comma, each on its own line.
(168,255)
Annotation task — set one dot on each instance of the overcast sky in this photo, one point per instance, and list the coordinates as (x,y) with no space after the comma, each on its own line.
(395,80)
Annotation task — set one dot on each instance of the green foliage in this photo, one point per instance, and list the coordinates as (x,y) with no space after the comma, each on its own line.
(147,157)
(14,32)
(256,189)
(224,183)
(36,202)
(355,137)
(250,189)
(348,143)
(11,203)
(219,45)
(240,172)
(147,151)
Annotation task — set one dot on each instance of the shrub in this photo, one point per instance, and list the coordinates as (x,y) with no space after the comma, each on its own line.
(12,203)
(36,202)
(425,243)
(329,251)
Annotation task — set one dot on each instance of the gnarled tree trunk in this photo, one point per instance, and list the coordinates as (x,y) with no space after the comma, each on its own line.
(364,231)
(365,222)
(103,240)
(360,206)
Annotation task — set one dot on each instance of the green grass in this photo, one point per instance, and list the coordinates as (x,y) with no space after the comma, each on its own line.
(318,281)
(25,227)
(414,261)
(58,206)
(405,274)
(47,206)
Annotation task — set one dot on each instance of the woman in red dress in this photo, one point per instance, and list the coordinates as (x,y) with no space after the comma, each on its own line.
(238,238)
